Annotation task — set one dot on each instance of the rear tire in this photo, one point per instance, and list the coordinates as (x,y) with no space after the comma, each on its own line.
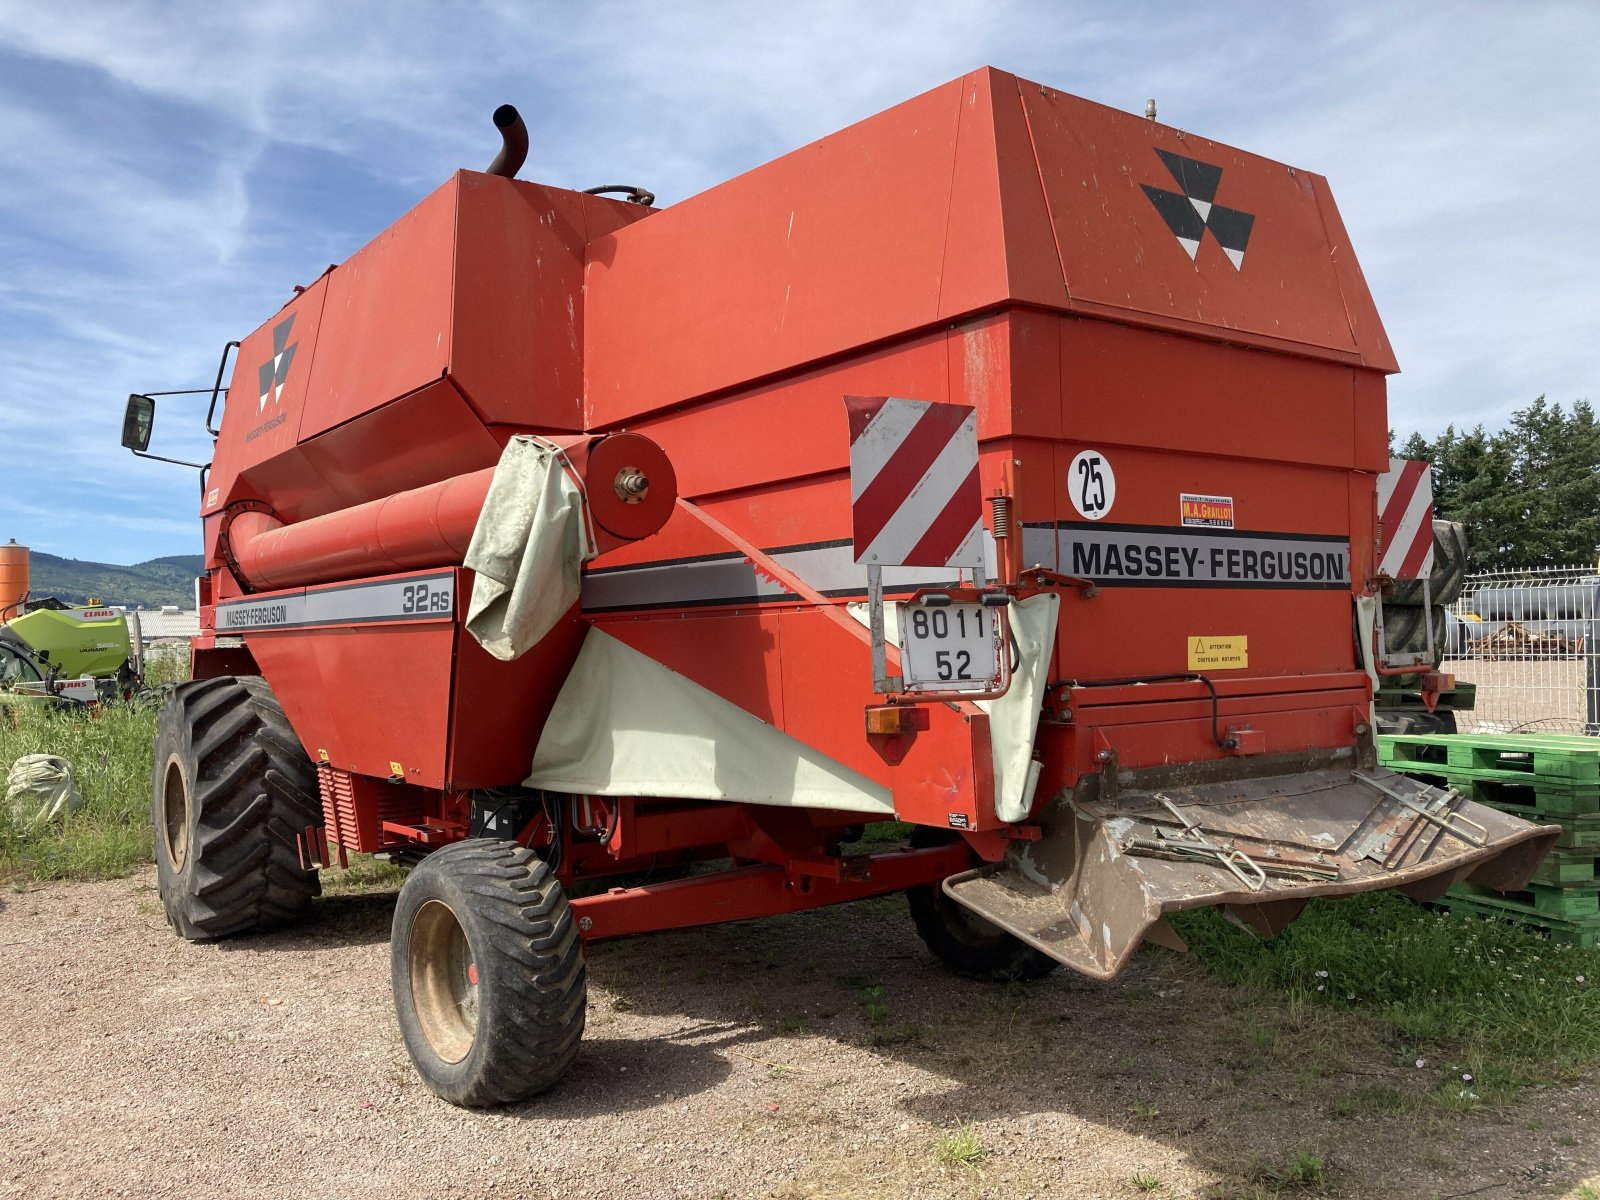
(488,973)
(1449,567)
(1417,721)
(964,941)
(231,790)
(1405,629)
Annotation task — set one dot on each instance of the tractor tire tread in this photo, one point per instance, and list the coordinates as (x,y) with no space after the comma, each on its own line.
(533,994)
(253,788)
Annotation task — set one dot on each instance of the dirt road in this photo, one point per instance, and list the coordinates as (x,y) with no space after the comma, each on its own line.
(823,1055)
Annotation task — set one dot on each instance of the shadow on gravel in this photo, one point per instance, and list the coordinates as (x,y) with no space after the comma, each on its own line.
(350,920)
(1239,1084)
(631,1074)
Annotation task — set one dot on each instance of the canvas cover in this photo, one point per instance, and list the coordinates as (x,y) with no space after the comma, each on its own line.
(528,549)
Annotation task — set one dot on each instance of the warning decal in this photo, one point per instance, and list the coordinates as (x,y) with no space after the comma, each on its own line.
(1212,652)
(914,495)
(1212,512)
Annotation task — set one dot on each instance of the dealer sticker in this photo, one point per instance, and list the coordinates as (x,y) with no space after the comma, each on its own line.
(1212,652)
(1211,512)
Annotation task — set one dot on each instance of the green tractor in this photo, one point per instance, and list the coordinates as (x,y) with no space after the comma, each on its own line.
(56,654)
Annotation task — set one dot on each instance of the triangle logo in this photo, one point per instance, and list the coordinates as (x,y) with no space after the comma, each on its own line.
(1193,212)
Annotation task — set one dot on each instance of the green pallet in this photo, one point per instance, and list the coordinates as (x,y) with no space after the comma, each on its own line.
(1577,833)
(1529,799)
(1584,933)
(1546,899)
(1567,868)
(1570,760)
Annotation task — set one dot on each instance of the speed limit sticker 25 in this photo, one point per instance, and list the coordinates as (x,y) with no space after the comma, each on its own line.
(1091,484)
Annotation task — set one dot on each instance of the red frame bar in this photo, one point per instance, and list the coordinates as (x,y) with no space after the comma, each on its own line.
(759,891)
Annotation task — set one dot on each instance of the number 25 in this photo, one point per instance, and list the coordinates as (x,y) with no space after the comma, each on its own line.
(1089,471)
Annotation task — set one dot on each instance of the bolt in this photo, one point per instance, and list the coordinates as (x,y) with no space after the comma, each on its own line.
(585,924)
(631,485)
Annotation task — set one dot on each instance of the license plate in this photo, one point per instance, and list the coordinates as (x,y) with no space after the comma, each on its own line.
(949,648)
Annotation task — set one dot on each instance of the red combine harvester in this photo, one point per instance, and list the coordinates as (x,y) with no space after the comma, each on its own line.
(1003,464)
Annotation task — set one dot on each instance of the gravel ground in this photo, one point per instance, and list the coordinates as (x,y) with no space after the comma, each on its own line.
(755,1060)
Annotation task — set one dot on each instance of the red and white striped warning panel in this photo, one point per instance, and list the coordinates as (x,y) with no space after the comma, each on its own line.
(1405,520)
(914,494)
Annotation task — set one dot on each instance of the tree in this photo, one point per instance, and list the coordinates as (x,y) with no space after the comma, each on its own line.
(1528,494)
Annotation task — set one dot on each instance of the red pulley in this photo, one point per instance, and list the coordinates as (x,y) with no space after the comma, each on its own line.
(631,485)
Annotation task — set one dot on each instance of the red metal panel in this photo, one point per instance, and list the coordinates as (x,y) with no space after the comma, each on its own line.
(259,426)
(1372,421)
(498,709)
(418,439)
(386,327)
(1359,308)
(1121,257)
(711,446)
(735,655)
(369,695)
(818,252)
(999,240)
(517,324)
(1198,397)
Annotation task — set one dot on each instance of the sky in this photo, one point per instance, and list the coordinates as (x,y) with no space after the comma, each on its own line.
(169,170)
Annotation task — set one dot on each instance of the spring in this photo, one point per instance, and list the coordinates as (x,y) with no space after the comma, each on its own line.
(1000,507)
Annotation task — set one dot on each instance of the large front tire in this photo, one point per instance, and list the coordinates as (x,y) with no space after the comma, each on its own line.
(232,788)
(488,973)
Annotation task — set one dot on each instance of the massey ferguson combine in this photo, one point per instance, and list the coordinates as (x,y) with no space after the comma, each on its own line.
(1003,464)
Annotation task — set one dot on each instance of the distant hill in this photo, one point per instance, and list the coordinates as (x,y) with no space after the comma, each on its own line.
(150,584)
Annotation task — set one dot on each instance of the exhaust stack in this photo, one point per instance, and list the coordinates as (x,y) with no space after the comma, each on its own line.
(515,136)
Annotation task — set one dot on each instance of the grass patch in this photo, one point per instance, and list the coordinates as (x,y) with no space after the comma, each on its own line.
(364,874)
(960,1148)
(110,751)
(1481,1006)
(885,833)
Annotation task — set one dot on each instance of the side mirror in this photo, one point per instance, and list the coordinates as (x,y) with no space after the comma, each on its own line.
(137,421)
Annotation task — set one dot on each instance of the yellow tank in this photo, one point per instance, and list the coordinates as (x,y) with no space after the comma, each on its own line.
(13,577)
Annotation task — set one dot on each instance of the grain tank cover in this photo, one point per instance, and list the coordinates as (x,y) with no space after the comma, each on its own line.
(988,192)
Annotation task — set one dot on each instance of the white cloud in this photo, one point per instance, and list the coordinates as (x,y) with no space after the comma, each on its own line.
(172,172)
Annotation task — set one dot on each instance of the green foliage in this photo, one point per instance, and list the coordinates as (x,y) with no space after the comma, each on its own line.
(1480,1006)
(109,749)
(1529,494)
(148,584)
(960,1148)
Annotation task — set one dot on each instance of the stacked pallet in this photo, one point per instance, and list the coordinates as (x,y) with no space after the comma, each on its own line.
(1549,779)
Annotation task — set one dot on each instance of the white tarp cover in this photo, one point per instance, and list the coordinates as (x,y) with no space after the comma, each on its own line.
(40,787)
(624,725)
(1014,718)
(528,549)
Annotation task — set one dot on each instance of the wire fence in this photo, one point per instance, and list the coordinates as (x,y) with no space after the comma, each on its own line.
(1528,640)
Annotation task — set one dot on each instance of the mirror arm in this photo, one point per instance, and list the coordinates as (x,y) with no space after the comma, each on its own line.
(179,461)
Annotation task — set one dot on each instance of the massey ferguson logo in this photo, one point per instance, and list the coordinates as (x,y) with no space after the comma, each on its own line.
(1194,210)
(276,369)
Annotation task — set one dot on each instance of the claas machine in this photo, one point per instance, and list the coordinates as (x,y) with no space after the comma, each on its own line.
(1003,465)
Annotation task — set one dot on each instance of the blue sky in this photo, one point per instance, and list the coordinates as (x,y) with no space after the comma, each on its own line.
(168,171)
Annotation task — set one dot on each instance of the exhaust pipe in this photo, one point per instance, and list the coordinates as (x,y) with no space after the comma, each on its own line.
(515,136)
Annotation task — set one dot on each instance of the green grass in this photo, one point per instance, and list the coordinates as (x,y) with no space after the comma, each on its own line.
(960,1148)
(1453,998)
(109,749)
